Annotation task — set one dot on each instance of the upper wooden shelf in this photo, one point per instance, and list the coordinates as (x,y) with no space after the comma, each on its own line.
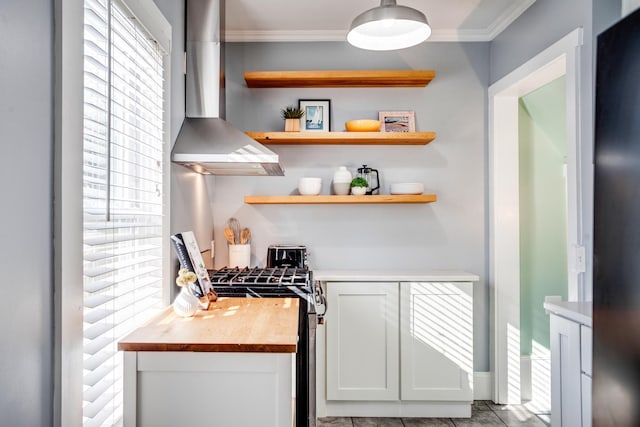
(344,138)
(339,78)
(327,199)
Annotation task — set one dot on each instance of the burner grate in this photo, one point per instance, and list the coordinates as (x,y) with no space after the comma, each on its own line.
(267,276)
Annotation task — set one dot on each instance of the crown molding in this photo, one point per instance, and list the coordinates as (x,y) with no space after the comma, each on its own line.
(341,36)
(507,17)
(286,36)
(477,35)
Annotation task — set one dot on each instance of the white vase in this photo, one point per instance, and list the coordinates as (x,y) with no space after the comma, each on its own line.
(186,304)
(341,181)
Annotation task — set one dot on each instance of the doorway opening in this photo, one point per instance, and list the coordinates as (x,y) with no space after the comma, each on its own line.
(556,68)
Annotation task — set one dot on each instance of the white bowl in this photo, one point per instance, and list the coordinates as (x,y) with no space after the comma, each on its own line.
(407,188)
(309,186)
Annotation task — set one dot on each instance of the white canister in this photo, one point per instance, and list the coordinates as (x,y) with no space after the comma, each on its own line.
(239,255)
(342,181)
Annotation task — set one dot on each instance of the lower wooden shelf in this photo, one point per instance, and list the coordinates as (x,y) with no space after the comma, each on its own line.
(331,199)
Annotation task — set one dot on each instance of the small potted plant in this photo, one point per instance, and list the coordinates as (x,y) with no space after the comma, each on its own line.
(359,186)
(292,116)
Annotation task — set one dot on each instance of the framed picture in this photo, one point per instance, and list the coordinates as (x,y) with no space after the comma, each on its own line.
(317,113)
(397,121)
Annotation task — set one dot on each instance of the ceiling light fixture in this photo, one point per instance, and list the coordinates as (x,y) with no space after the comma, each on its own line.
(389,27)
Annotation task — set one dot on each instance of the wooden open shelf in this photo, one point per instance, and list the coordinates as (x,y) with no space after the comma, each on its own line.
(344,138)
(326,199)
(339,78)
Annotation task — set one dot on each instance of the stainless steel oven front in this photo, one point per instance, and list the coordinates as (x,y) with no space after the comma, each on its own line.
(284,282)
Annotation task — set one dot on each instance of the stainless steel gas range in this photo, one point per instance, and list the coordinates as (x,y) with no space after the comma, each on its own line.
(282,282)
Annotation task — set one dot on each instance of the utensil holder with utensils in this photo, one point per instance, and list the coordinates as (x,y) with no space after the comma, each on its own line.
(239,246)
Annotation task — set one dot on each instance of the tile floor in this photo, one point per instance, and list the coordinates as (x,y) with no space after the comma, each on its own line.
(483,413)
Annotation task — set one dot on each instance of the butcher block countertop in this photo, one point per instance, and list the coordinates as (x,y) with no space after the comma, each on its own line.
(251,325)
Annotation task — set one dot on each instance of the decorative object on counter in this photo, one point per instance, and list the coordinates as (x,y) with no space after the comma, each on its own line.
(407,188)
(362,125)
(189,255)
(317,115)
(292,116)
(186,303)
(342,181)
(369,174)
(359,186)
(398,121)
(309,186)
(388,27)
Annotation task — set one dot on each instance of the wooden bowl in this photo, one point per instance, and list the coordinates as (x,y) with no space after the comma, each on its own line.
(363,125)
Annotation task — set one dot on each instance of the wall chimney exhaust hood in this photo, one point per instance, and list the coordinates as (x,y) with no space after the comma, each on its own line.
(207,143)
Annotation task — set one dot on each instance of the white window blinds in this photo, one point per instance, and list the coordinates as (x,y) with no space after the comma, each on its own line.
(123,183)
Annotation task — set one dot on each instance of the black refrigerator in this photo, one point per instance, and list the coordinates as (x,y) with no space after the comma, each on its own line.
(616,271)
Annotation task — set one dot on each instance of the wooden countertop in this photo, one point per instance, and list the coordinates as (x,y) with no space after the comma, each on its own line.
(253,325)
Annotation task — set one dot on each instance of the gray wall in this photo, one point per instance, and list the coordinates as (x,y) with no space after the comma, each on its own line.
(545,22)
(448,234)
(190,204)
(26,135)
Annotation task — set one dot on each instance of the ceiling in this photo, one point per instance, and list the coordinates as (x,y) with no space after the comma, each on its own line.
(329,20)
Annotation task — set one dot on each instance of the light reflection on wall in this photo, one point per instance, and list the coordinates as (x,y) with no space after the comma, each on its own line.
(540,402)
(513,363)
(441,319)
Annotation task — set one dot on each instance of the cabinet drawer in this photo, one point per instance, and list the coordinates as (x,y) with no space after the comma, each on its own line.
(586,349)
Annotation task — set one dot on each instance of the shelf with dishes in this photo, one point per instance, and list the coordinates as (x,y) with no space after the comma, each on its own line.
(338,78)
(343,138)
(333,199)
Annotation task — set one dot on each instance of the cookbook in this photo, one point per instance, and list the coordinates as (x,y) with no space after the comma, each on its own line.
(189,255)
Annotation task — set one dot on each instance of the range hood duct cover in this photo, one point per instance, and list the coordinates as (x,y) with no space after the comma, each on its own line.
(207,143)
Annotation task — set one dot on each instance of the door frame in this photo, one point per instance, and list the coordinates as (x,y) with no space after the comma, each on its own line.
(561,58)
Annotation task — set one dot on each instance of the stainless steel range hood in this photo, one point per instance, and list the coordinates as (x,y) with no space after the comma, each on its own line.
(207,143)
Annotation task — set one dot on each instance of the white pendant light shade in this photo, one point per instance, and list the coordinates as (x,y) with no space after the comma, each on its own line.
(389,27)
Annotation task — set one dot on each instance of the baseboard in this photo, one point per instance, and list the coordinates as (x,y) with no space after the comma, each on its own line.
(482,386)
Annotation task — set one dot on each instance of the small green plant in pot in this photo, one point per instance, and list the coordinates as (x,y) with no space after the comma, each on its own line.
(292,116)
(359,186)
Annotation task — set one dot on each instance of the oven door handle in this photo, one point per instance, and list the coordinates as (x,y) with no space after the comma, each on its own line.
(321,301)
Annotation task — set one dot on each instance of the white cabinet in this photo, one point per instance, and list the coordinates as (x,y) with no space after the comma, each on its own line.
(362,341)
(436,324)
(399,349)
(201,389)
(571,350)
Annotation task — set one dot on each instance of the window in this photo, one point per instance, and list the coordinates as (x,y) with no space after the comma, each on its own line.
(123,200)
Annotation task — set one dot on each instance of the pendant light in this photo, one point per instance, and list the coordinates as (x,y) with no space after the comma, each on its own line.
(389,27)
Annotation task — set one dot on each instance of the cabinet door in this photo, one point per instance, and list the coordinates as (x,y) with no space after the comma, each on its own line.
(586,400)
(436,350)
(362,341)
(566,408)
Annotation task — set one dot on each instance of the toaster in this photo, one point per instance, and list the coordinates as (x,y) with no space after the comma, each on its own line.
(287,256)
